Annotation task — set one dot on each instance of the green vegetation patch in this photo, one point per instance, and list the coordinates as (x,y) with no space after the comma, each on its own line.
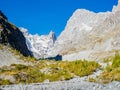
(5,82)
(1,46)
(48,70)
(83,68)
(111,72)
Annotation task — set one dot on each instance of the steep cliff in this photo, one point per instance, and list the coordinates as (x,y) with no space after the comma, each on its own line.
(11,35)
(87,32)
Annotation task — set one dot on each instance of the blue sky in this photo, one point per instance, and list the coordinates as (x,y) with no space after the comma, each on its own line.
(42,16)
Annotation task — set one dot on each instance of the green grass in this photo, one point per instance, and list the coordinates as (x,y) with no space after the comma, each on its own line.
(83,68)
(57,71)
(5,82)
(111,72)
(26,59)
(1,46)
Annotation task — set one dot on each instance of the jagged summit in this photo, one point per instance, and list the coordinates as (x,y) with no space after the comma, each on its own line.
(39,45)
(52,36)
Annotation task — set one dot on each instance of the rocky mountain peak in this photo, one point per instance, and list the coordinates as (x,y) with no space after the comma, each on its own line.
(24,31)
(87,32)
(52,36)
(116,8)
(40,45)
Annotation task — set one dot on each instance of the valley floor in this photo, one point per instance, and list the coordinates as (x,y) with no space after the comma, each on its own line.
(74,84)
(80,73)
(77,83)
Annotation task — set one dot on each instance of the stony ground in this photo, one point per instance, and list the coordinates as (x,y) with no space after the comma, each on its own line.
(65,85)
(7,57)
(76,83)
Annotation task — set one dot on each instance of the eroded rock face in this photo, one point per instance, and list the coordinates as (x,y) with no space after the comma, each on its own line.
(11,35)
(90,32)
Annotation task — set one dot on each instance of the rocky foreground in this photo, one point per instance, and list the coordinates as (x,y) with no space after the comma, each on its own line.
(75,84)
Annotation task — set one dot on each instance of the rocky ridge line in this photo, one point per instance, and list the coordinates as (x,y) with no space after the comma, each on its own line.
(12,36)
(89,35)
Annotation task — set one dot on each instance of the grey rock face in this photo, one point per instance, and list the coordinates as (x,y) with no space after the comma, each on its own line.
(7,57)
(65,85)
(11,35)
(90,32)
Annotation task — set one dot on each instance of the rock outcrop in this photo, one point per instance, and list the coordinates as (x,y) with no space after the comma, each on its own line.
(87,34)
(7,57)
(11,35)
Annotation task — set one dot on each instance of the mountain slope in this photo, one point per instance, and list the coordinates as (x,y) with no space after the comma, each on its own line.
(11,35)
(7,57)
(88,33)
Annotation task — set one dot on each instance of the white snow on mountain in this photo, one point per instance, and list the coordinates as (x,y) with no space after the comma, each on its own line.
(39,45)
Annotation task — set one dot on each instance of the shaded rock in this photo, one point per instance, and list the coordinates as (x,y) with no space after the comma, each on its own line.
(11,35)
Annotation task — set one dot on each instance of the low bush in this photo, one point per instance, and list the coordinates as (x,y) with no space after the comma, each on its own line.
(50,70)
(5,82)
(111,72)
(83,68)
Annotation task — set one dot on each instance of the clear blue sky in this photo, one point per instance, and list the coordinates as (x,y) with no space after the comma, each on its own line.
(41,16)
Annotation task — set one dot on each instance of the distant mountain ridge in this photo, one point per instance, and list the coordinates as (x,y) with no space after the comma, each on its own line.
(39,45)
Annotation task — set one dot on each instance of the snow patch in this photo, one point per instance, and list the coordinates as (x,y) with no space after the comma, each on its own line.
(39,45)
